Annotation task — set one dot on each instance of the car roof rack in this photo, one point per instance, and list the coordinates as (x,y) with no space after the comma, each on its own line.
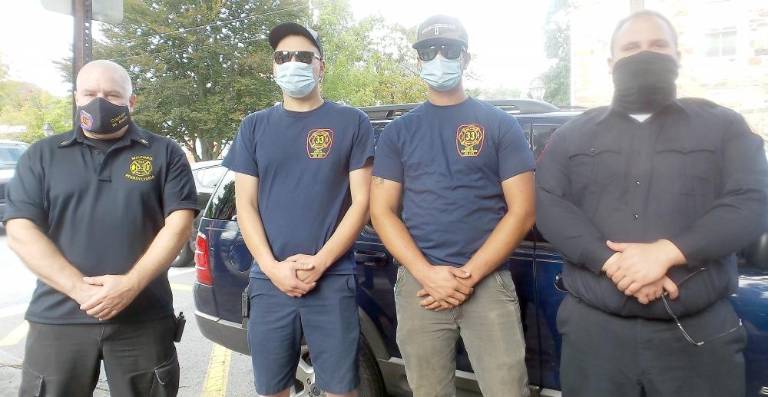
(515,106)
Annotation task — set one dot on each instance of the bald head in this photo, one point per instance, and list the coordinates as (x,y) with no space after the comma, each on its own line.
(106,79)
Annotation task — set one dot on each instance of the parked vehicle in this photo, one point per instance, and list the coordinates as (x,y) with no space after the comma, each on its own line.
(223,264)
(206,174)
(10,152)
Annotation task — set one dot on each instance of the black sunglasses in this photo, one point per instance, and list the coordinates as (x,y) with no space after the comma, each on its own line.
(449,51)
(282,57)
(682,329)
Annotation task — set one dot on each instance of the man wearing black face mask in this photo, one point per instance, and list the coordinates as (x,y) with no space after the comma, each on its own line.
(98,214)
(648,199)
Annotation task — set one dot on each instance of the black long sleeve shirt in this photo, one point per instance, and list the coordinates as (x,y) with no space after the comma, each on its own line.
(692,173)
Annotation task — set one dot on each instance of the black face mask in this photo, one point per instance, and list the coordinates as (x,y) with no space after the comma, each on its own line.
(644,82)
(101,116)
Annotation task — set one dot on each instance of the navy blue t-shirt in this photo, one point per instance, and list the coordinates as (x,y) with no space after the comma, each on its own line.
(451,161)
(303,161)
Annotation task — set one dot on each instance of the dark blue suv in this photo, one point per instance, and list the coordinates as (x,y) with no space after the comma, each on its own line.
(223,264)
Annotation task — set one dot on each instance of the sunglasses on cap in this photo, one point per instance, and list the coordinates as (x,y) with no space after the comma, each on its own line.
(448,51)
(282,57)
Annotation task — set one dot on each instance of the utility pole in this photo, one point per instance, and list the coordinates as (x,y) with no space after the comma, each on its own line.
(82,44)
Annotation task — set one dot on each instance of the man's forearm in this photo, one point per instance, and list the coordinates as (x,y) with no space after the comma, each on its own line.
(346,233)
(254,236)
(399,242)
(164,248)
(506,236)
(42,257)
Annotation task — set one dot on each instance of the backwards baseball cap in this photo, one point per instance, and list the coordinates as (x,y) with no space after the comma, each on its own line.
(283,30)
(439,29)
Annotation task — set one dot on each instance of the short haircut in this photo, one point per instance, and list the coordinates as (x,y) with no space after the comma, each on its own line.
(644,14)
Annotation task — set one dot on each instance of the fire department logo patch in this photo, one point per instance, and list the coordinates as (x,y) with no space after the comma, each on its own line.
(140,169)
(319,143)
(86,120)
(469,140)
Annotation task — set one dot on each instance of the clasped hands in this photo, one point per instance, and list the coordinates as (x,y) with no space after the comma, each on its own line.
(640,269)
(103,297)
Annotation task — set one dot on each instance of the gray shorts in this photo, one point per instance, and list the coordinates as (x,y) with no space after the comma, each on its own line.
(488,323)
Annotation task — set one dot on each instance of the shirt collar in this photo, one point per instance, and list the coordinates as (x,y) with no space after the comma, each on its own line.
(674,106)
(134,133)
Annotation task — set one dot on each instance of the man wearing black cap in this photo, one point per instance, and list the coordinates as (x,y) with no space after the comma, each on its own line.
(648,199)
(302,184)
(461,170)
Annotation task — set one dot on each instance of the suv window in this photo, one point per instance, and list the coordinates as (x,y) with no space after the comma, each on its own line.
(541,135)
(222,203)
(208,177)
(11,154)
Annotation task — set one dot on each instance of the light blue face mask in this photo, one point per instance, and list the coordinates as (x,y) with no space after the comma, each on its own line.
(296,79)
(441,74)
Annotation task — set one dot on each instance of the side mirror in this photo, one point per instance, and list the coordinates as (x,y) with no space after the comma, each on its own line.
(755,255)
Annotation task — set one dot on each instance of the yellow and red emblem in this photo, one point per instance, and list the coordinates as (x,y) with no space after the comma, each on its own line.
(319,143)
(469,140)
(140,169)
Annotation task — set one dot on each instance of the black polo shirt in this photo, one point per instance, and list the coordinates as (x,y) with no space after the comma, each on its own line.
(102,209)
(692,173)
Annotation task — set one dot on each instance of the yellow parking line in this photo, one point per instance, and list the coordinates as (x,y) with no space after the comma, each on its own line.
(16,335)
(218,372)
(181,287)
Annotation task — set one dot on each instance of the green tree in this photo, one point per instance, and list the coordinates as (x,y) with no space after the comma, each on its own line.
(369,62)
(557,45)
(198,68)
(30,106)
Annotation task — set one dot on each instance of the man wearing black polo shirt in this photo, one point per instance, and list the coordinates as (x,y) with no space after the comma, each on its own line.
(98,214)
(649,199)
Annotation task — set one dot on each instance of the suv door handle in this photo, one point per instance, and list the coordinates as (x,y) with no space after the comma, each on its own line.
(371,258)
(560,283)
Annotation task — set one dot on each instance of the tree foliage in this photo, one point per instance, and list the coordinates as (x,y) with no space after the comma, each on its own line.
(557,43)
(199,68)
(369,62)
(28,105)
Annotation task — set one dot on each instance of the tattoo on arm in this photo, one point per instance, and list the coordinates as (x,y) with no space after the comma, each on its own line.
(378,180)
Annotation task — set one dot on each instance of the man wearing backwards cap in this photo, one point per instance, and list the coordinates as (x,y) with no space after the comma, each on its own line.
(463,173)
(302,182)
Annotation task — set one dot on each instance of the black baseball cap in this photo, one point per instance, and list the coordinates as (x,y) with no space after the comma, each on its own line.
(286,29)
(440,29)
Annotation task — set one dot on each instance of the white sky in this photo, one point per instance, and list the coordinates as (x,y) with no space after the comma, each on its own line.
(505,37)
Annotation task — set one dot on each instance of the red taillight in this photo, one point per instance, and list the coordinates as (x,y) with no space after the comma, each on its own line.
(202,260)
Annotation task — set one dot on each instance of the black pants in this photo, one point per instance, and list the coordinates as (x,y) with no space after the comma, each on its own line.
(64,360)
(606,355)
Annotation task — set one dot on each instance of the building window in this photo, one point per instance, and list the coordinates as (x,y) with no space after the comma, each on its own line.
(722,43)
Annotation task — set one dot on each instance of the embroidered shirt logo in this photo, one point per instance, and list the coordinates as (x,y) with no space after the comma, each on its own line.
(140,169)
(319,143)
(469,140)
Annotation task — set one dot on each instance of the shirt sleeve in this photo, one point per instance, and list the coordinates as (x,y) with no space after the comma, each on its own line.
(362,144)
(242,154)
(738,216)
(388,163)
(179,192)
(515,156)
(25,192)
(563,223)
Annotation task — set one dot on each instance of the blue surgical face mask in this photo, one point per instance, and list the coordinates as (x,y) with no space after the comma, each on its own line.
(296,79)
(441,74)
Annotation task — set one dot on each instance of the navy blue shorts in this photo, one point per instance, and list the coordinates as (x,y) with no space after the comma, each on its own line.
(326,317)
